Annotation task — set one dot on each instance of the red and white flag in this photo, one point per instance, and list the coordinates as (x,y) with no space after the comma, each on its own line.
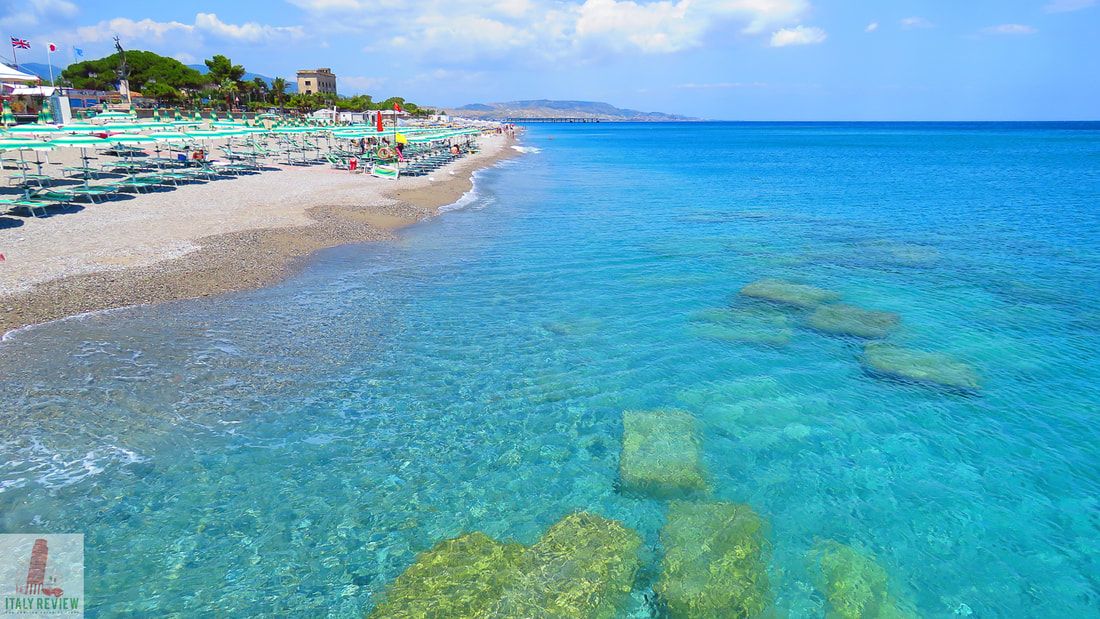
(53,48)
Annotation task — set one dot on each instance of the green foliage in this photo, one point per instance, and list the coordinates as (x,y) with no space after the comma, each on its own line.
(779,291)
(841,319)
(854,584)
(716,561)
(582,568)
(920,366)
(458,578)
(221,69)
(660,454)
(102,74)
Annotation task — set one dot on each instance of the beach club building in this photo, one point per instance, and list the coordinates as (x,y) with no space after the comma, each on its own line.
(312,81)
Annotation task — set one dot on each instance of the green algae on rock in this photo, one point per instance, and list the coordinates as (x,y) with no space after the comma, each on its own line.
(920,366)
(749,326)
(798,295)
(459,578)
(715,564)
(841,319)
(660,454)
(854,584)
(583,567)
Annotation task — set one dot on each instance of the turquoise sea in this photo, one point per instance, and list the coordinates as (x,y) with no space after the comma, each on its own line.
(289,451)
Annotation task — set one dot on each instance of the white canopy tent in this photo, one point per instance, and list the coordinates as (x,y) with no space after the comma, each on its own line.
(36,91)
(8,74)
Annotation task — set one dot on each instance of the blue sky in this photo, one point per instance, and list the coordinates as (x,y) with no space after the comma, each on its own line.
(723,59)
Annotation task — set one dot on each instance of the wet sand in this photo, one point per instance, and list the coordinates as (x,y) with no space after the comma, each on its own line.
(210,238)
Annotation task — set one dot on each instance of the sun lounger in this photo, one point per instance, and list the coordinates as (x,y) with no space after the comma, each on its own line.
(25,180)
(71,194)
(29,204)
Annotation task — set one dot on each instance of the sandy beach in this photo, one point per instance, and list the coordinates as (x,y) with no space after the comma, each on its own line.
(208,238)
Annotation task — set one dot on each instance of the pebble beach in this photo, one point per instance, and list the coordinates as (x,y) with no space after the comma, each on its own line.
(208,238)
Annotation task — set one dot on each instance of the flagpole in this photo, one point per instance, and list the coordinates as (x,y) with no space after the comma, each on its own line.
(14,56)
(49,60)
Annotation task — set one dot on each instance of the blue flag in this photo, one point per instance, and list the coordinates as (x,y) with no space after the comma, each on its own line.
(79,52)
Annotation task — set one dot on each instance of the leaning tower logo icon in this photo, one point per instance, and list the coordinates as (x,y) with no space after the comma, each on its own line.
(42,575)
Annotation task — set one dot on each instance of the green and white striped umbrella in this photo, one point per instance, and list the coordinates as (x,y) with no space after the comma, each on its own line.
(7,119)
(129,138)
(80,141)
(35,129)
(23,144)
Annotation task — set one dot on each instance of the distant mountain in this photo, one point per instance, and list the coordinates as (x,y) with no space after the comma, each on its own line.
(546,108)
(291,83)
(40,69)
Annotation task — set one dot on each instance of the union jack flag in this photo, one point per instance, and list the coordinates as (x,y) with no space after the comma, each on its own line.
(20,43)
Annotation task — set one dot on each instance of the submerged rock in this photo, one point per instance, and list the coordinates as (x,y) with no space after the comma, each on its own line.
(582,568)
(798,295)
(903,254)
(854,584)
(841,319)
(461,577)
(749,326)
(920,366)
(660,454)
(715,563)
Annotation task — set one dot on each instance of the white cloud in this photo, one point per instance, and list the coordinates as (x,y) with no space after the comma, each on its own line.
(1067,6)
(463,29)
(799,35)
(871,27)
(355,84)
(23,14)
(185,58)
(205,25)
(916,23)
(1009,29)
(250,31)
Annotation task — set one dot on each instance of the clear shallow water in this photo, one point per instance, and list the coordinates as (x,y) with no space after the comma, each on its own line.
(289,451)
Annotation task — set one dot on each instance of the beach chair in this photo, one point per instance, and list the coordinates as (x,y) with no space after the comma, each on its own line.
(72,194)
(29,204)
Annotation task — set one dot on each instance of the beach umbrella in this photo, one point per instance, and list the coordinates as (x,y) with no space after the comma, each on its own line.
(178,116)
(83,142)
(22,146)
(129,138)
(35,129)
(7,118)
(156,114)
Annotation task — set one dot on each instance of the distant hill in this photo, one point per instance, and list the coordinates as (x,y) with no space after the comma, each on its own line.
(291,83)
(546,108)
(40,69)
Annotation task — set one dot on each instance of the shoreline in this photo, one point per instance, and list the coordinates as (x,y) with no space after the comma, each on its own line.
(258,254)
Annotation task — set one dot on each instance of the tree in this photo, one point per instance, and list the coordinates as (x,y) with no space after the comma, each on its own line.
(278,90)
(220,68)
(144,67)
(230,89)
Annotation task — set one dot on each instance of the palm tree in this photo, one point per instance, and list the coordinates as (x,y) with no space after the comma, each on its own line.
(230,90)
(278,90)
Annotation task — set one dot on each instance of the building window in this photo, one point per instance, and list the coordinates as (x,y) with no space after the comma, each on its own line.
(307,82)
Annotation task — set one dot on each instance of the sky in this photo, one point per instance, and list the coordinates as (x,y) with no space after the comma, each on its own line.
(717,59)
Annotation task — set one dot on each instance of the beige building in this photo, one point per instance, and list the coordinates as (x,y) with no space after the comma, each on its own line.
(312,81)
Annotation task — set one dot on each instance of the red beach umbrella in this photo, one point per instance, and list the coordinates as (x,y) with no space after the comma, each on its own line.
(379,117)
